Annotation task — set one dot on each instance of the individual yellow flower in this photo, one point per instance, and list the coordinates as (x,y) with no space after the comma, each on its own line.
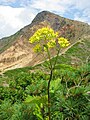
(51,44)
(37,48)
(45,49)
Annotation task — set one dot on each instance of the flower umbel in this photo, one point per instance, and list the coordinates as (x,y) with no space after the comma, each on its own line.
(63,42)
(43,34)
(47,37)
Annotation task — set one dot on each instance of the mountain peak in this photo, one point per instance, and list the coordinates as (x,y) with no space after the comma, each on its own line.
(16,52)
(42,16)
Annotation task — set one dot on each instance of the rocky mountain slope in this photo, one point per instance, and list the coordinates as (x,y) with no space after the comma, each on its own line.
(16,51)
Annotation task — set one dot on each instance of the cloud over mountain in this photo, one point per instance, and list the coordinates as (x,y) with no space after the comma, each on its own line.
(15,14)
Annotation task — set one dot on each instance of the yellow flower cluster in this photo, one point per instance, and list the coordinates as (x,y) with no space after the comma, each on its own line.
(43,34)
(37,48)
(51,43)
(45,38)
(63,42)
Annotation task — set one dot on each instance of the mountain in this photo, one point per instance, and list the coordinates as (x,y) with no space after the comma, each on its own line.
(16,51)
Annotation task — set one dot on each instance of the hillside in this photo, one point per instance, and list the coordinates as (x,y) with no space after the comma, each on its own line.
(39,89)
(16,51)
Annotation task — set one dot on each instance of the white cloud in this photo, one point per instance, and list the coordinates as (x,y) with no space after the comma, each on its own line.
(7,1)
(84,16)
(56,6)
(65,6)
(9,21)
(82,4)
(12,19)
(82,12)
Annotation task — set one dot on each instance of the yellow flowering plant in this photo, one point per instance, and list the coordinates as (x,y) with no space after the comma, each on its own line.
(50,39)
(44,40)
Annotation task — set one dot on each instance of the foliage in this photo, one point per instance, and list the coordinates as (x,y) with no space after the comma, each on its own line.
(26,97)
(69,91)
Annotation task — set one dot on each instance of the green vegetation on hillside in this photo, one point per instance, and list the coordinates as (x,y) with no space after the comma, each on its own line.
(24,91)
(24,94)
(5,43)
(77,55)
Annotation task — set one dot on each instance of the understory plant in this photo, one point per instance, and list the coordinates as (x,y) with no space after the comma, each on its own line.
(69,94)
(46,41)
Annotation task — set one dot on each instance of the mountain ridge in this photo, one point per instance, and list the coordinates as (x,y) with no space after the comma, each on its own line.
(16,51)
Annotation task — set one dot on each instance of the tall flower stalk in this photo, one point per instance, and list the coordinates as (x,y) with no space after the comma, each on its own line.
(44,40)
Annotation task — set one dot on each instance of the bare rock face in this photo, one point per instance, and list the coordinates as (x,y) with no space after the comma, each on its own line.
(16,55)
(17,52)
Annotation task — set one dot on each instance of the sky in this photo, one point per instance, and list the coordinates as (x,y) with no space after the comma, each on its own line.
(15,14)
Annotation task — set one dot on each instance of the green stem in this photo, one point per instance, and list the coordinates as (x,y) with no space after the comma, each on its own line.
(49,102)
(49,59)
(46,60)
(51,74)
(56,58)
(48,90)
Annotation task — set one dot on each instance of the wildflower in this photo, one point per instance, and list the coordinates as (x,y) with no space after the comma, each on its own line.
(37,48)
(51,44)
(63,42)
